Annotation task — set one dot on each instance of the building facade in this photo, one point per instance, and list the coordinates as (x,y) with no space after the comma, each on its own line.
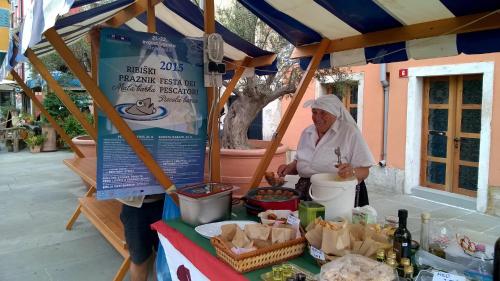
(442,129)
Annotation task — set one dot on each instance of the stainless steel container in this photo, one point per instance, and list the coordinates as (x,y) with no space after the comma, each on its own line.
(205,203)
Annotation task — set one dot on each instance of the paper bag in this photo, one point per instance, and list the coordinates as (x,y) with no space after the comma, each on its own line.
(228,231)
(315,236)
(240,240)
(336,242)
(282,234)
(257,231)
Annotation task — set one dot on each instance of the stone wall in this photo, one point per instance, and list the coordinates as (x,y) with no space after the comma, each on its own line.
(388,178)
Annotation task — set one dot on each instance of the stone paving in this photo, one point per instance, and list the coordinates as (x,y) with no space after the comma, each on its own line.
(38,193)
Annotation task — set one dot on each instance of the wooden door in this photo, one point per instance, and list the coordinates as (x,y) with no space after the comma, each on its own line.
(450,133)
(467,133)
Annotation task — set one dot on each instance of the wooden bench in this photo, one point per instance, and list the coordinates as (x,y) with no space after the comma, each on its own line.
(104,215)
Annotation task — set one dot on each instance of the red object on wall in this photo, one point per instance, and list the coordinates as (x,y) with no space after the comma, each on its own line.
(403,73)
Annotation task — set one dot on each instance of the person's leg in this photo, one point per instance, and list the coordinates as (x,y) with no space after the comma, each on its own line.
(137,235)
(139,272)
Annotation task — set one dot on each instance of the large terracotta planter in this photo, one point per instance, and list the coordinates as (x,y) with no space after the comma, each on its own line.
(238,166)
(86,145)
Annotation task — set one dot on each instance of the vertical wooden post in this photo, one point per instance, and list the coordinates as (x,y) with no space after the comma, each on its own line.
(122,127)
(285,120)
(95,67)
(65,99)
(151,17)
(209,21)
(51,120)
(229,89)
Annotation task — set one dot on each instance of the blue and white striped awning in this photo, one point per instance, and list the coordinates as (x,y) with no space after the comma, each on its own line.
(306,22)
(181,16)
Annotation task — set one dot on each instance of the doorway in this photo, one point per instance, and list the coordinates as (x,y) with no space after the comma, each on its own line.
(451,128)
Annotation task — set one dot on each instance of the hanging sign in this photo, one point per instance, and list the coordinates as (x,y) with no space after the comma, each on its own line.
(155,83)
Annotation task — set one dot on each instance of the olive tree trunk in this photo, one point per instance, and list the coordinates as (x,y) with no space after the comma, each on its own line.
(240,115)
(252,98)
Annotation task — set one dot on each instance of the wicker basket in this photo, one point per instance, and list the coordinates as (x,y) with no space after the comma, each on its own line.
(273,254)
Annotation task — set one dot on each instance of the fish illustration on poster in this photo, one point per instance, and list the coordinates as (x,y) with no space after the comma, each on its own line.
(155,83)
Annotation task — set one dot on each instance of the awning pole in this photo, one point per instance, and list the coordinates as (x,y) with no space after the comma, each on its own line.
(290,111)
(151,16)
(214,149)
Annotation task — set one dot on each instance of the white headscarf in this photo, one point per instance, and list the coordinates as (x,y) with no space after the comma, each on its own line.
(331,104)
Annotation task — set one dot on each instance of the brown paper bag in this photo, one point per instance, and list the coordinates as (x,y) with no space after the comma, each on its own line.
(228,231)
(336,242)
(228,244)
(282,234)
(356,232)
(240,239)
(261,243)
(366,246)
(257,231)
(315,236)
(356,246)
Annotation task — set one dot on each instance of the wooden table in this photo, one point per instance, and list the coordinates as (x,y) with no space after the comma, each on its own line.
(104,215)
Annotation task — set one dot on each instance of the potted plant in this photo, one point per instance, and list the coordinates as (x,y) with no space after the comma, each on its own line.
(35,142)
(253,94)
(69,123)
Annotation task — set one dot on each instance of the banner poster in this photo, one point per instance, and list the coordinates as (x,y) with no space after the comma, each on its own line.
(155,83)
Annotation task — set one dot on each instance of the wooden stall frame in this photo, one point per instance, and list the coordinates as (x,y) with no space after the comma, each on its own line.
(100,100)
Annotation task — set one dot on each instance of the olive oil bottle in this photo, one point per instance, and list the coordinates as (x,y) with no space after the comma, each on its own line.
(402,237)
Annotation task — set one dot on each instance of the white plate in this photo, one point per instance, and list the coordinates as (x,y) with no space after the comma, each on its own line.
(210,230)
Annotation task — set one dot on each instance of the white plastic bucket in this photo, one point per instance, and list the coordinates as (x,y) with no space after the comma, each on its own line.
(337,196)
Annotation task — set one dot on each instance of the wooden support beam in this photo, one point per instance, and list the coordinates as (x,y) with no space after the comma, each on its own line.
(45,113)
(151,16)
(415,31)
(214,150)
(285,120)
(109,110)
(132,11)
(254,62)
(234,81)
(94,49)
(58,90)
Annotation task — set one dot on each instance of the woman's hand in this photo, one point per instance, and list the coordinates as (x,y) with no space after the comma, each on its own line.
(346,170)
(290,169)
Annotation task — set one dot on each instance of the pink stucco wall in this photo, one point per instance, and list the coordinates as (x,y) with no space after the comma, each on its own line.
(373,110)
